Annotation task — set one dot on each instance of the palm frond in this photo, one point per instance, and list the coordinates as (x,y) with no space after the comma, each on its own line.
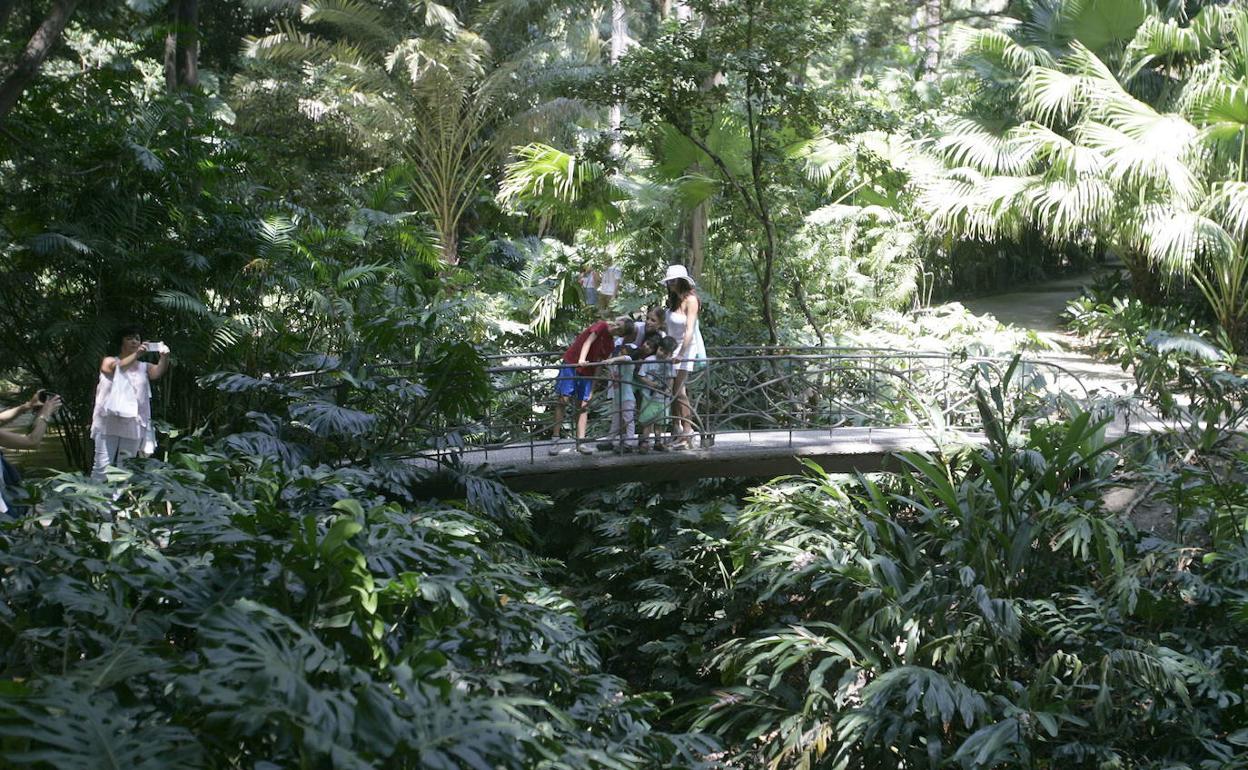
(541,171)
(1229,202)
(996,48)
(967,142)
(1050,96)
(1065,210)
(1176,238)
(1039,146)
(823,159)
(440,17)
(358,20)
(1152,159)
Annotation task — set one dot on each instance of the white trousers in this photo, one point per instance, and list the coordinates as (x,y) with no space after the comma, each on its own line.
(111,450)
(623,411)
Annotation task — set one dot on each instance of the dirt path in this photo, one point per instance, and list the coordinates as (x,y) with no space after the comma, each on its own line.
(1039,309)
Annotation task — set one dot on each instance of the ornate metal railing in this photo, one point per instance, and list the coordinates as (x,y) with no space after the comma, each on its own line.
(745,390)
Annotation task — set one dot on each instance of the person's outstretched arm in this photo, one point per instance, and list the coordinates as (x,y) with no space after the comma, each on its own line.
(12,440)
(589,343)
(12,413)
(109,364)
(162,366)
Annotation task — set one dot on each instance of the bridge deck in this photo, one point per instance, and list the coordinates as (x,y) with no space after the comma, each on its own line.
(755,454)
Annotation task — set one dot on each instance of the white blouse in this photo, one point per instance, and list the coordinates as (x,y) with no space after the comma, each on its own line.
(135,428)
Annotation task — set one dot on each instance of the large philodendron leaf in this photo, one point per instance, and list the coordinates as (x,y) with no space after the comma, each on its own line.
(1185,343)
(66,724)
(262,671)
(329,420)
(1100,23)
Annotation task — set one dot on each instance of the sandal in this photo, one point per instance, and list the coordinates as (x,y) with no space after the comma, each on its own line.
(680,445)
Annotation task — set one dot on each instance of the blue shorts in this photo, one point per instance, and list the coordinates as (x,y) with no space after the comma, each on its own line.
(569,383)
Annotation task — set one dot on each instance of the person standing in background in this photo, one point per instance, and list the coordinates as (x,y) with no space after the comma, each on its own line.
(589,286)
(608,286)
(121,422)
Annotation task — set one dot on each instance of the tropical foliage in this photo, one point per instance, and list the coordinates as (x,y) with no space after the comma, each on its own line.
(336,211)
(1132,140)
(980,609)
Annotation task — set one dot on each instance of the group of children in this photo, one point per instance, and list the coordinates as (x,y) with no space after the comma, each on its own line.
(633,359)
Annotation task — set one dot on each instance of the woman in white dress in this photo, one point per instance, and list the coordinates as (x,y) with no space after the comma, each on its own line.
(682,325)
(122,427)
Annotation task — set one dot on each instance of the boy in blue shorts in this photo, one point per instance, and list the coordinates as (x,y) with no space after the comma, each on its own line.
(577,375)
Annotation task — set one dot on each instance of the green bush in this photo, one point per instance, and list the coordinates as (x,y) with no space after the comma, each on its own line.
(259,602)
(978,610)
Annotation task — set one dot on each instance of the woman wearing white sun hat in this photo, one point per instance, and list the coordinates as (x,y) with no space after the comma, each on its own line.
(682,324)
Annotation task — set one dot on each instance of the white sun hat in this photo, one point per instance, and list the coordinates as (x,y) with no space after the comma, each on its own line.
(677,271)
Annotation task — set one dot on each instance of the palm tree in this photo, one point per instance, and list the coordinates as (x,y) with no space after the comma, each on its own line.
(431,97)
(1160,184)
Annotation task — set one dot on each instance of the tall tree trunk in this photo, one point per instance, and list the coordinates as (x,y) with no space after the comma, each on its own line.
(36,51)
(182,46)
(935,12)
(699,218)
(697,240)
(619,44)
(762,207)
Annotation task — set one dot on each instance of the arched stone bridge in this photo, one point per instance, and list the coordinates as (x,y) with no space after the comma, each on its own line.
(760,412)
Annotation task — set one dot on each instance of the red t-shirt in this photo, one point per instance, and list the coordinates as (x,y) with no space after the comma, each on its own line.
(600,350)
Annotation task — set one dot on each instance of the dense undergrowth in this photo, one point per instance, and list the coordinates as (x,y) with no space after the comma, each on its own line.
(976,608)
(982,609)
(228,611)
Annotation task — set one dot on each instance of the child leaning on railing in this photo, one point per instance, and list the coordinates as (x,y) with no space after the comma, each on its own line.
(655,380)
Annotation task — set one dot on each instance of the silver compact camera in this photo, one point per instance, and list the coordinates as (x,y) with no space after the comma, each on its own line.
(156,347)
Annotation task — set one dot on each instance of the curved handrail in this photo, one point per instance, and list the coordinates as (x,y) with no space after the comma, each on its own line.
(735,391)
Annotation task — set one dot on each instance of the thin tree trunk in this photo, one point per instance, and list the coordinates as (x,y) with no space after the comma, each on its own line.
(799,294)
(188,43)
(182,46)
(699,218)
(760,193)
(6,7)
(619,44)
(931,48)
(36,51)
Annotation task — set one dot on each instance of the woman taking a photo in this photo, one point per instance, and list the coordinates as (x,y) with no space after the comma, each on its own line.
(46,404)
(121,422)
(682,325)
